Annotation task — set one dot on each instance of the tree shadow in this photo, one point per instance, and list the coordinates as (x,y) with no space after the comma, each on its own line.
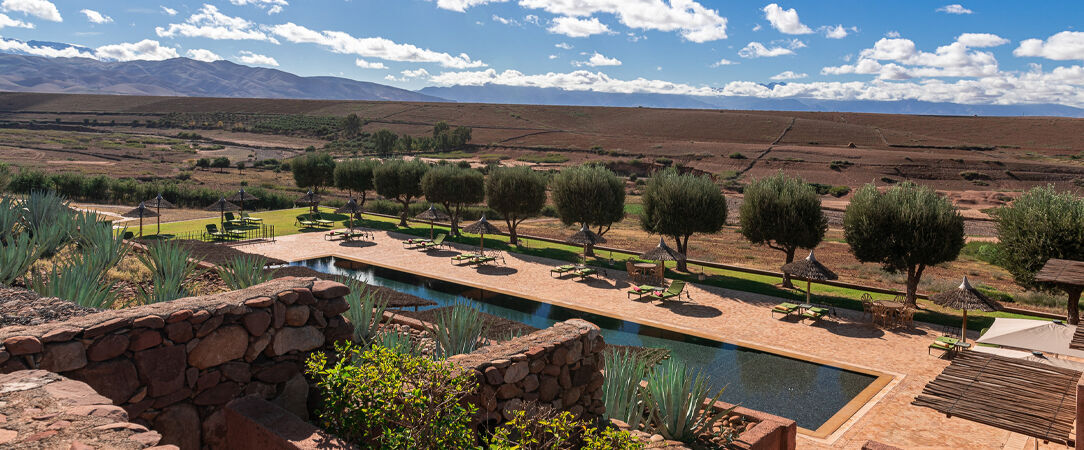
(441,253)
(495,270)
(692,309)
(853,330)
(358,244)
(595,283)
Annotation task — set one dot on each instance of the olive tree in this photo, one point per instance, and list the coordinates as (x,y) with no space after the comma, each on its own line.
(589,195)
(313,170)
(905,229)
(401,181)
(356,175)
(352,125)
(679,206)
(1041,225)
(384,141)
(453,187)
(517,193)
(784,214)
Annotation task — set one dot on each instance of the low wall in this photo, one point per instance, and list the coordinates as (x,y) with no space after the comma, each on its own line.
(559,366)
(253,423)
(172,366)
(769,433)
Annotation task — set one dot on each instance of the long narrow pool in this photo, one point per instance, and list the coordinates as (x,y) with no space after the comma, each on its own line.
(807,392)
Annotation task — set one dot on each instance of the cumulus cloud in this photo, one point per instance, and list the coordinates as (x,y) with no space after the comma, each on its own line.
(95,16)
(892,34)
(981,40)
(722,62)
(954,9)
(563,46)
(573,27)
(837,32)
(789,75)
(274,10)
(463,5)
(553,56)
(340,42)
(200,54)
(209,23)
(369,65)
(12,45)
(256,59)
(900,59)
(259,2)
(598,60)
(505,21)
(42,9)
(531,18)
(758,50)
(785,20)
(6,21)
(169,11)
(1063,46)
(129,51)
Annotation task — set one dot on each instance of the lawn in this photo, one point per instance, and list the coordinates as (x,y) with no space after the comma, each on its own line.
(282,219)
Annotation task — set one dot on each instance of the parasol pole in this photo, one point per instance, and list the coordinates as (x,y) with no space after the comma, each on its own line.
(140,223)
(963,329)
(807,287)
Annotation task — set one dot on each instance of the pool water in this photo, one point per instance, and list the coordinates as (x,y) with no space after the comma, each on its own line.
(807,392)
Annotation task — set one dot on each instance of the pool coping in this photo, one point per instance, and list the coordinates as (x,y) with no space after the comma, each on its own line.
(855,408)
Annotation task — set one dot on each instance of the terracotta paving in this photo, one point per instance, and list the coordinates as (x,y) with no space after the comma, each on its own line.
(736,317)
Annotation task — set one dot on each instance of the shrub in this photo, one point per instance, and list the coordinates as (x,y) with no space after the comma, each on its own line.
(458,329)
(736,155)
(622,393)
(378,398)
(839,164)
(971,175)
(677,406)
(839,191)
(542,428)
(548,158)
(244,271)
(170,264)
(366,311)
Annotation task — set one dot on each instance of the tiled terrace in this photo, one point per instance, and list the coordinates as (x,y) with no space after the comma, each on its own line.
(736,317)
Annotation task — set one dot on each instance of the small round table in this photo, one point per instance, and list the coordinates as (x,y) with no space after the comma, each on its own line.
(895,308)
(644,266)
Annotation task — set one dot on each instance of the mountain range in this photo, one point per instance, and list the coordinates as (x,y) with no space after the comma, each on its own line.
(186,77)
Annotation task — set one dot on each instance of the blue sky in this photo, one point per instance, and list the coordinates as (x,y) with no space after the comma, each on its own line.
(1002,52)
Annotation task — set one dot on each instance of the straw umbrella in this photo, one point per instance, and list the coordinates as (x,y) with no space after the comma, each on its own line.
(481,227)
(158,203)
(222,206)
(350,208)
(964,297)
(310,199)
(585,237)
(809,269)
(431,215)
(242,196)
(140,211)
(662,252)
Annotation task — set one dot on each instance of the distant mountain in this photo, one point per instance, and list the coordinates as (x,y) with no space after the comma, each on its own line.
(491,93)
(183,77)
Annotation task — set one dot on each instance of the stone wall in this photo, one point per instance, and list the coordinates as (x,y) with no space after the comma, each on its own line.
(560,366)
(172,366)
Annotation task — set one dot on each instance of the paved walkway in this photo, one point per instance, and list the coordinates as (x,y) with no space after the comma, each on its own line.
(735,317)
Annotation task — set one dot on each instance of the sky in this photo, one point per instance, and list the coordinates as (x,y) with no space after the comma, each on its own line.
(975,52)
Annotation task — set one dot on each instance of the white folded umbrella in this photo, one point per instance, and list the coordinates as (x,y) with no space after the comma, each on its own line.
(1036,335)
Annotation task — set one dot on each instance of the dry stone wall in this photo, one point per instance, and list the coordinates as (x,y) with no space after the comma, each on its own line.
(172,366)
(560,366)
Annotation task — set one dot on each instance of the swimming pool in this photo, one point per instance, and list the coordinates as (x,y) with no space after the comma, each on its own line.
(807,392)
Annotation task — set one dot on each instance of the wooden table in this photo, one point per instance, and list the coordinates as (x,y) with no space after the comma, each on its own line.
(895,308)
(644,265)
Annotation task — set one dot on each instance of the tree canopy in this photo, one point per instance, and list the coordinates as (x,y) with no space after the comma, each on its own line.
(1040,225)
(680,206)
(356,175)
(783,213)
(400,180)
(517,193)
(589,195)
(352,125)
(905,229)
(384,141)
(313,170)
(453,187)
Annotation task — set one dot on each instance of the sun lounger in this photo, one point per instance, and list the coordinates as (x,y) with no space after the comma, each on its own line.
(785,309)
(484,259)
(438,242)
(562,270)
(415,242)
(333,235)
(641,291)
(320,221)
(212,230)
(249,220)
(815,313)
(233,221)
(674,291)
(463,259)
(584,273)
(305,222)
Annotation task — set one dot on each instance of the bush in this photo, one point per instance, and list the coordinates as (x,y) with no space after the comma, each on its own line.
(548,158)
(542,428)
(736,155)
(839,191)
(971,175)
(839,164)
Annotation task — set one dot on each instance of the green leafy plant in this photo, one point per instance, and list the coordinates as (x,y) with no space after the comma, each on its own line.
(459,329)
(677,407)
(397,342)
(170,264)
(542,428)
(379,398)
(366,311)
(76,282)
(16,258)
(622,392)
(244,271)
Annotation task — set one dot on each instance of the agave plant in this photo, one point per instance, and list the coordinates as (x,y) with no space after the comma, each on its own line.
(622,392)
(10,215)
(16,258)
(244,271)
(170,264)
(676,400)
(41,208)
(458,329)
(366,311)
(76,282)
(397,342)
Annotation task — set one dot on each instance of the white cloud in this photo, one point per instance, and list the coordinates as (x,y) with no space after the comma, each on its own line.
(531,18)
(274,10)
(42,9)
(463,5)
(892,34)
(340,42)
(722,62)
(758,50)
(50,52)
(169,11)
(980,40)
(905,61)
(573,27)
(1063,46)
(505,21)
(200,54)
(256,59)
(553,56)
(563,46)
(785,20)
(757,27)
(6,21)
(789,75)
(129,51)
(954,9)
(368,64)
(95,16)
(275,5)
(598,60)
(836,32)
(417,73)
(209,23)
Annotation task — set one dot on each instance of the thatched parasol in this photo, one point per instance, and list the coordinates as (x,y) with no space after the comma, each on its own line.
(310,199)
(158,203)
(140,211)
(481,228)
(222,206)
(809,269)
(242,196)
(585,237)
(662,252)
(964,297)
(350,208)
(432,215)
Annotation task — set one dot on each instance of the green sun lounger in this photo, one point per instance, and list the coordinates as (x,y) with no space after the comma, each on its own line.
(584,273)
(212,230)
(562,270)
(640,291)
(321,221)
(305,222)
(415,242)
(815,313)
(333,235)
(675,290)
(484,259)
(437,243)
(785,309)
(939,345)
(249,220)
(231,220)
(463,259)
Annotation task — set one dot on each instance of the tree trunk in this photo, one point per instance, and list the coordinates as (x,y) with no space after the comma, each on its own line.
(1073,316)
(454,231)
(786,276)
(406,210)
(682,265)
(914,275)
(512,238)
